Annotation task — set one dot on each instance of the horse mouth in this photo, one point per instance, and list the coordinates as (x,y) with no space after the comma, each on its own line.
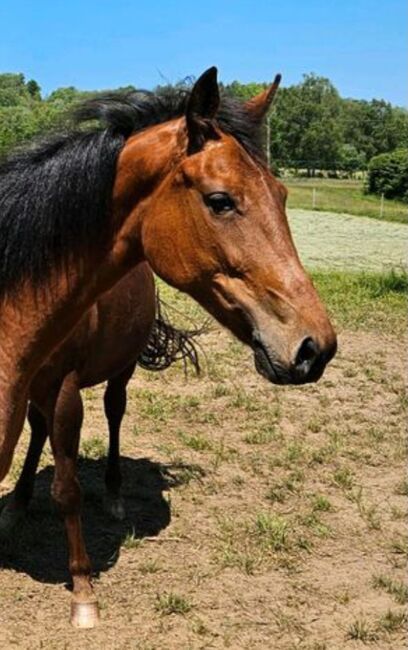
(269,367)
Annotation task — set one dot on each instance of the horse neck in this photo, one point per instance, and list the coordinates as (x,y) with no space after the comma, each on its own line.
(34,322)
(143,164)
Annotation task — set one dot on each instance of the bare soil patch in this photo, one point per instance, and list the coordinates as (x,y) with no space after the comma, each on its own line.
(258,516)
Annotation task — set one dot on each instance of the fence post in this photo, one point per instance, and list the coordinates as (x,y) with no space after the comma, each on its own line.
(382,206)
(314,198)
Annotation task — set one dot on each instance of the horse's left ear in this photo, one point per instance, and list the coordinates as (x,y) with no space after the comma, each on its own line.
(202,107)
(259,105)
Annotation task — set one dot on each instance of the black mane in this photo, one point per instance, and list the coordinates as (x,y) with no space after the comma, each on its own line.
(130,112)
(55,195)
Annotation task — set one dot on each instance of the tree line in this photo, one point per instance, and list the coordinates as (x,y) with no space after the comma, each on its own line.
(311,127)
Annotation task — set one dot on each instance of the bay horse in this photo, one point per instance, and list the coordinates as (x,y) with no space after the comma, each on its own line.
(179,180)
(120,331)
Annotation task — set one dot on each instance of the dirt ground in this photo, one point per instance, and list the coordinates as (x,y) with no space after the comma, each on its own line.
(257,516)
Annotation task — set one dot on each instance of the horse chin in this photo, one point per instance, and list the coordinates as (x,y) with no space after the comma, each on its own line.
(269,367)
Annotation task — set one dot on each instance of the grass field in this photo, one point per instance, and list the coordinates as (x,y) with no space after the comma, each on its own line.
(344,196)
(258,517)
(342,241)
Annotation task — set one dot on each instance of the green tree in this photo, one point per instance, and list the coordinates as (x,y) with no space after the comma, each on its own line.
(351,160)
(374,127)
(16,126)
(33,89)
(244,91)
(305,125)
(13,91)
(64,97)
(388,175)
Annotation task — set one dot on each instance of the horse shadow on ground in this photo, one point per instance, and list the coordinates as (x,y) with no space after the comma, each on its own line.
(38,545)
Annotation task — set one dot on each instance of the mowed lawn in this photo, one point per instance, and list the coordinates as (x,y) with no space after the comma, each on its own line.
(259,517)
(326,240)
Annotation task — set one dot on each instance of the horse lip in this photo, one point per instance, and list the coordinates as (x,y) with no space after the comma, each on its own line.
(266,365)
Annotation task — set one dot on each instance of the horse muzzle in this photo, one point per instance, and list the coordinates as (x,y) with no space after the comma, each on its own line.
(307,366)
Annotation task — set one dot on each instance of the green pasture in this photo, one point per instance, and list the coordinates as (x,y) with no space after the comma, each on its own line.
(365,301)
(343,196)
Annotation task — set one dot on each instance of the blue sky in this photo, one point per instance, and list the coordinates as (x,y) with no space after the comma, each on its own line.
(360,45)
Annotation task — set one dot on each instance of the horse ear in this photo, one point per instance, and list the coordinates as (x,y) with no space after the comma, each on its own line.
(202,107)
(259,105)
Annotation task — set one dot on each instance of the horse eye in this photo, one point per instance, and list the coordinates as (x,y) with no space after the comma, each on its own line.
(219,202)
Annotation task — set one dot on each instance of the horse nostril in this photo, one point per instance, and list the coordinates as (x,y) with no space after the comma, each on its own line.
(306,355)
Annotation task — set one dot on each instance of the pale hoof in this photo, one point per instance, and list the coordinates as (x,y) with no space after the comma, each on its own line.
(84,615)
(114,507)
(10,516)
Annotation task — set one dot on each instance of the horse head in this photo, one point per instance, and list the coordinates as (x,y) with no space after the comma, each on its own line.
(216,228)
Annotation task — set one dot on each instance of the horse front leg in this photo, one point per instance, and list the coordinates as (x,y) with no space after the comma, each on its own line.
(13,408)
(64,436)
(17,504)
(115,407)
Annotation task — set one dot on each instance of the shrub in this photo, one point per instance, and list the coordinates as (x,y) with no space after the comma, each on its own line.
(388,175)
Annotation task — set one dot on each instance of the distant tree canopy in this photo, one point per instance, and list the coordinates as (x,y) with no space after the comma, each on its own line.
(314,128)
(25,114)
(311,126)
(388,175)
